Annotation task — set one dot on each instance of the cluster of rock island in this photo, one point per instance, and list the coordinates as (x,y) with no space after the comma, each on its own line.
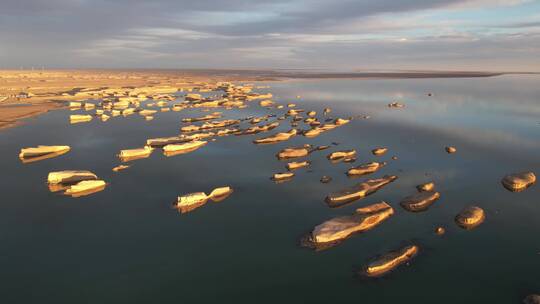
(197,132)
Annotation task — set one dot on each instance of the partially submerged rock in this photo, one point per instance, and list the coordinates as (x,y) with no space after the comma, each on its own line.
(470,217)
(390,261)
(331,232)
(283,136)
(194,200)
(70,176)
(326,179)
(42,150)
(175,149)
(358,191)
(292,153)
(519,181)
(395,105)
(365,169)
(440,231)
(120,168)
(426,187)
(28,155)
(379,151)
(340,155)
(79,118)
(450,149)
(86,187)
(280,177)
(297,165)
(133,154)
(220,193)
(420,201)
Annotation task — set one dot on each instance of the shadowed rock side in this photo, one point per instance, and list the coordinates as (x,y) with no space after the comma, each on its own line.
(40,151)
(419,201)
(470,217)
(333,231)
(70,176)
(390,261)
(359,191)
(519,181)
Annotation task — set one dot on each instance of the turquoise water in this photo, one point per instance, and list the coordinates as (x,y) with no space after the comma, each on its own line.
(127,244)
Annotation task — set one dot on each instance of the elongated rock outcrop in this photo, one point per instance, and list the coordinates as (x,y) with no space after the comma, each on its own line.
(42,150)
(339,155)
(132,154)
(292,153)
(359,191)
(420,201)
(390,261)
(283,136)
(365,169)
(298,165)
(519,181)
(337,229)
(70,176)
(185,147)
(86,187)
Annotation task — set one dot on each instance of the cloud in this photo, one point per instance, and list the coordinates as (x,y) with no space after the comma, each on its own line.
(256,33)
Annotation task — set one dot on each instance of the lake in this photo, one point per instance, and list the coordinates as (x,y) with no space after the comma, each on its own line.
(127,244)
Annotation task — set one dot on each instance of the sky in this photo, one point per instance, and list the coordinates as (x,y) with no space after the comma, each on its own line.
(487,35)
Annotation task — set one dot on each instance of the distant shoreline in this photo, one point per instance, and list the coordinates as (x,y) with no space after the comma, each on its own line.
(50,89)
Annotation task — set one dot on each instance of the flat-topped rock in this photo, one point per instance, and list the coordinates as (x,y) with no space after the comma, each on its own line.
(184,147)
(519,181)
(379,151)
(366,168)
(426,187)
(359,191)
(420,201)
(297,165)
(470,217)
(85,187)
(70,176)
(279,137)
(133,154)
(278,177)
(390,261)
(43,150)
(292,153)
(340,228)
(337,155)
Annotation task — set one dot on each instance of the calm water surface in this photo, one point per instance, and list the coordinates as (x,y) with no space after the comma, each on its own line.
(127,245)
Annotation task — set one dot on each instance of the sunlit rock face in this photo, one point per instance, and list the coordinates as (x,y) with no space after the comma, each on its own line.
(337,229)
(519,181)
(470,217)
(420,201)
(358,191)
(390,261)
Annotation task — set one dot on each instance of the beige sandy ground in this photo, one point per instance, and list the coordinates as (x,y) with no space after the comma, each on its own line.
(52,89)
(47,90)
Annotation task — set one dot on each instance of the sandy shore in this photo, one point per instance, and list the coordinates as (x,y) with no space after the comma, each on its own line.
(25,94)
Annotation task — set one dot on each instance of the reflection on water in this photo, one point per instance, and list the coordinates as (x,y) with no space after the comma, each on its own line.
(126,244)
